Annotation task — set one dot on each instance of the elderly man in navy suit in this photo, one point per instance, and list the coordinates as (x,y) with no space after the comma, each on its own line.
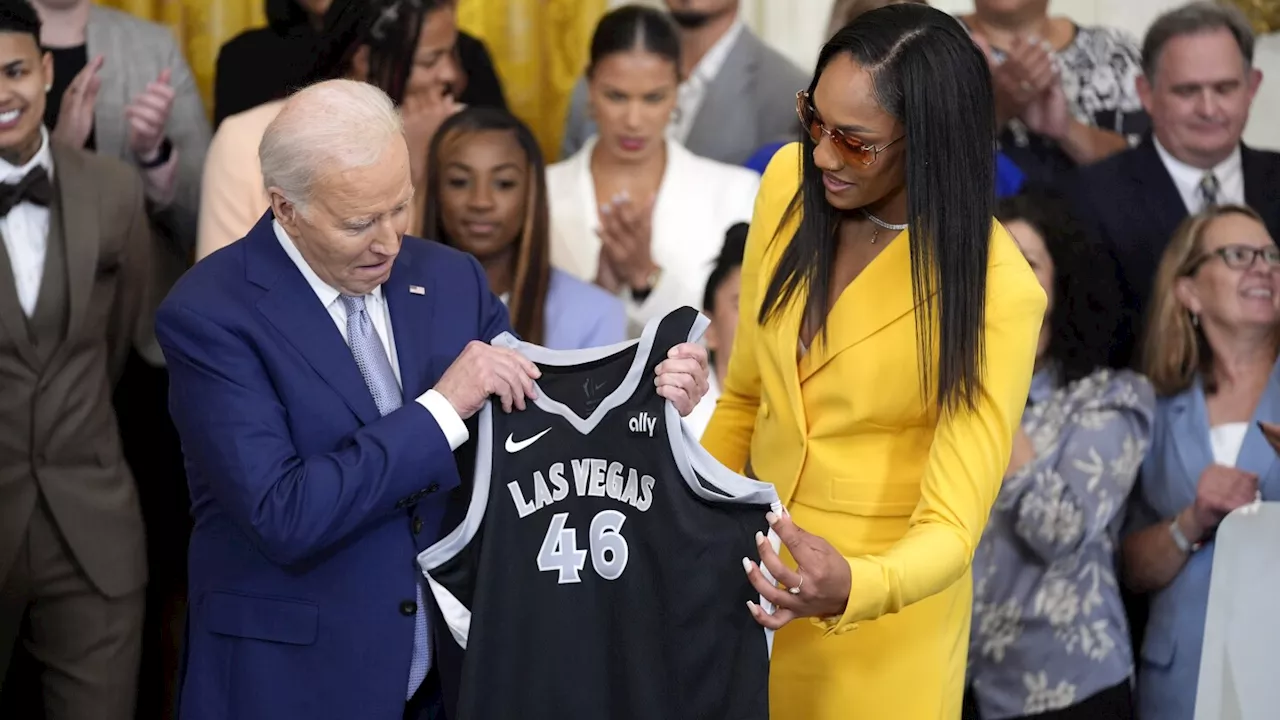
(321,371)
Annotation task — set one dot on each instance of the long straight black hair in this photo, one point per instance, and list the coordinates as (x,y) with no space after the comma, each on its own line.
(934,80)
(531,275)
(389,28)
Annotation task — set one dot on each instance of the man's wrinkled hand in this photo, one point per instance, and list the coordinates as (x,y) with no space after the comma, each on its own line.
(483,370)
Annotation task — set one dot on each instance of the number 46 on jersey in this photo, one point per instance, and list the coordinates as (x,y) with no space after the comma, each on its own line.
(606,545)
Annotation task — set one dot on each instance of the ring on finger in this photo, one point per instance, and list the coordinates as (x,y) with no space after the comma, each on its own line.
(796,590)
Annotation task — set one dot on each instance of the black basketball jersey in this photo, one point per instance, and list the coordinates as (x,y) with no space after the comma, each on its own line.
(598,572)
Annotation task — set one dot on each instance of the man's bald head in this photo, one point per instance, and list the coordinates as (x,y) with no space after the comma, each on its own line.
(328,127)
(336,166)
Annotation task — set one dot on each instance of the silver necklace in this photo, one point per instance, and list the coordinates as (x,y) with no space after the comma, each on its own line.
(881,224)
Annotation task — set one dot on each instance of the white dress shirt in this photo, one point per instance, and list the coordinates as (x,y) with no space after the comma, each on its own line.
(693,90)
(1229,172)
(455,431)
(26,230)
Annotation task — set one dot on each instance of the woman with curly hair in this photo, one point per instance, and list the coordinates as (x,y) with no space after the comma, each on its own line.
(1050,637)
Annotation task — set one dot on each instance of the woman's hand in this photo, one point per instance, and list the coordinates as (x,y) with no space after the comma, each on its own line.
(818,587)
(1025,74)
(423,114)
(625,232)
(1219,491)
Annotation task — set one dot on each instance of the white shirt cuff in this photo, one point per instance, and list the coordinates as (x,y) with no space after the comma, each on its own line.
(455,431)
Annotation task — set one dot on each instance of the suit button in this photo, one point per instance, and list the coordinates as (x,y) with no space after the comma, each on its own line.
(433,487)
(408,607)
(417,525)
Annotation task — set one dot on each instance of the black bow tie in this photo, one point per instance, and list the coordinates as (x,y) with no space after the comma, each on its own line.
(34,187)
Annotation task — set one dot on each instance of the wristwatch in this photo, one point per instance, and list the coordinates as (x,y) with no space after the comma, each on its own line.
(1179,539)
(650,282)
(166,150)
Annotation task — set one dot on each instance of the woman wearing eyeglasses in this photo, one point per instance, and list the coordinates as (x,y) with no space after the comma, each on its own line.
(887,334)
(1210,353)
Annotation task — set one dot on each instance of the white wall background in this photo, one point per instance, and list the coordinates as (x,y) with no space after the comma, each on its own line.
(796,29)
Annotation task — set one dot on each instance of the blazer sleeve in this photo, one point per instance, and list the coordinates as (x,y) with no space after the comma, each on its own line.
(728,434)
(188,130)
(231,198)
(967,461)
(235,432)
(1070,494)
(608,325)
(132,316)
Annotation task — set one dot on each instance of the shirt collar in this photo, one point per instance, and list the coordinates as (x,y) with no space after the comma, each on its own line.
(1185,175)
(323,290)
(43,157)
(711,63)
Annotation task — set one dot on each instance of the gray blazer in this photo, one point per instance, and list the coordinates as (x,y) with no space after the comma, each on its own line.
(751,103)
(135,52)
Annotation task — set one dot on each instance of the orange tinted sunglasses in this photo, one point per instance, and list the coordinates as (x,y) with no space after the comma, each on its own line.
(851,149)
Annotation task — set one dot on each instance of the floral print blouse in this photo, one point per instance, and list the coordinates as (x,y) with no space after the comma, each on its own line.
(1049,627)
(1100,70)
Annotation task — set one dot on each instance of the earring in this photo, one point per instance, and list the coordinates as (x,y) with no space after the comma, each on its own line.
(1195,320)
(676,114)
(48,87)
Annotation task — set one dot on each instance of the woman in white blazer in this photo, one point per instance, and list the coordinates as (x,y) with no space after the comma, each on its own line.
(634,211)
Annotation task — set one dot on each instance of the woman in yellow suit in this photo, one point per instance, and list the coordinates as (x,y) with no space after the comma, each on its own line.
(888,451)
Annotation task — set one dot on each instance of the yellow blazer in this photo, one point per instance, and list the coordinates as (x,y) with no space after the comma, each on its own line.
(861,457)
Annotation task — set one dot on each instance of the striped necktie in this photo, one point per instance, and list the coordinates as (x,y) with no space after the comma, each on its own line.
(1209,189)
(371,358)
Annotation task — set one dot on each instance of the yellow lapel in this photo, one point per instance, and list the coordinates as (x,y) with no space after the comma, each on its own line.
(878,296)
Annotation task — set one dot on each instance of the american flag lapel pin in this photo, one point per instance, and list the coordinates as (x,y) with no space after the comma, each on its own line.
(417,290)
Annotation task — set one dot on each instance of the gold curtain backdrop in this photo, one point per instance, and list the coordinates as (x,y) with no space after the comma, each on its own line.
(539,46)
(1264,14)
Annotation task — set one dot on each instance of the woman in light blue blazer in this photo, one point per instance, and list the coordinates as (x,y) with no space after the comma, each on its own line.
(1210,353)
(487,195)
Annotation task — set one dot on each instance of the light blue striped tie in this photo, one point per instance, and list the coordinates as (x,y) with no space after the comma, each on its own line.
(371,358)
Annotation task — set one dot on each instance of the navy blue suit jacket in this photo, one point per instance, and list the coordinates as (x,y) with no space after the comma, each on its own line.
(309,507)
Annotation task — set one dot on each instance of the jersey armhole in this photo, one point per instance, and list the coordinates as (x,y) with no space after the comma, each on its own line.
(456,614)
(706,476)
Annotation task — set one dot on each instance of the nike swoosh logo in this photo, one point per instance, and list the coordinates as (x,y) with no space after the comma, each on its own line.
(515,447)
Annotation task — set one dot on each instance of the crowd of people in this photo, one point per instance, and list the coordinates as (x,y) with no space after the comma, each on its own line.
(1006,397)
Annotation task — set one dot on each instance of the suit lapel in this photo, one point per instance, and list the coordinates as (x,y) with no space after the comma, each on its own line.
(727,91)
(1261,178)
(878,296)
(12,318)
(1189,417)
(411,308)
(293,308)
(78,202)
(1256,454)
(787,345)
(1155,183)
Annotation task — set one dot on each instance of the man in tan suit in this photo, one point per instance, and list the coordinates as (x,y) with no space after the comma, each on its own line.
(73,285)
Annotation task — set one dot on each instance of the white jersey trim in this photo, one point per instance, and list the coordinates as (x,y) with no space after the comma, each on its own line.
(691,459)
(456,615)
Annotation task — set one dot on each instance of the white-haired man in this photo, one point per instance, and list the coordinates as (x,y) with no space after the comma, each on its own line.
(321,372)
